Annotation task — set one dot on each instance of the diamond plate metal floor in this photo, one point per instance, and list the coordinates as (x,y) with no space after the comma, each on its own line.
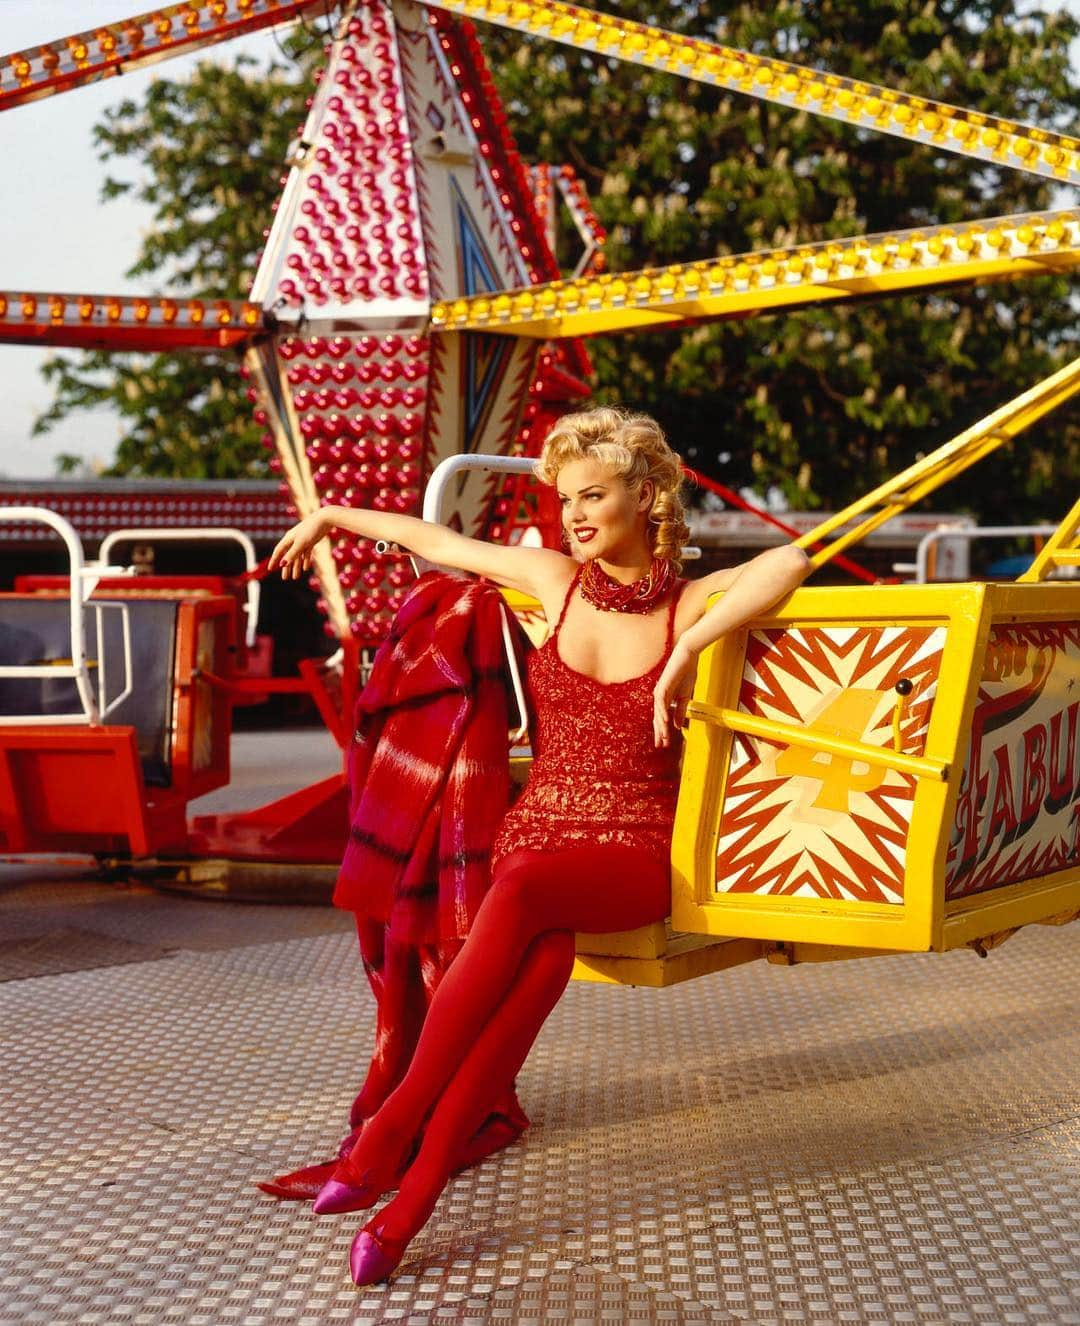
(890,1140)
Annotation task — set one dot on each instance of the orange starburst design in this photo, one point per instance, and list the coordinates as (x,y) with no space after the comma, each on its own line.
(806,824)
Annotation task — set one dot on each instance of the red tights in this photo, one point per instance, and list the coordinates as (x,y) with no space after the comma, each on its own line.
(490,1006)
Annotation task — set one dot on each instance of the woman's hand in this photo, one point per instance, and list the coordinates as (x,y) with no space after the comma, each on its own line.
(294,550)
(672,691)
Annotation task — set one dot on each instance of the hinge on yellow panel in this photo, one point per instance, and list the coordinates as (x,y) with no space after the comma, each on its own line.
(781,953)
(983,945)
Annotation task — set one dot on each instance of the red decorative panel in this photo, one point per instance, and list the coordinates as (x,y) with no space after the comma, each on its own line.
(96,507)
(1018,815)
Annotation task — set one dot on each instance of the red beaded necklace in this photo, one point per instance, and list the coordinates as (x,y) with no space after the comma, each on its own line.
(642,595)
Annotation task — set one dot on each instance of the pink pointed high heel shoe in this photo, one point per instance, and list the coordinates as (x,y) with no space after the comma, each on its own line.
(375,1256)
(336,1197)
(339,1195)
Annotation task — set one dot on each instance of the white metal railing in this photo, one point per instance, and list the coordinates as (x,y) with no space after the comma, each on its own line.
(432,510)
(446,469)
(198,534)
(84,578)
(106,707)
(929,542)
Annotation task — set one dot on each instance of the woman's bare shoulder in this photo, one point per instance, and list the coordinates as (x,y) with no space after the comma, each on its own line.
(692,604)
(695,596)
(552,579)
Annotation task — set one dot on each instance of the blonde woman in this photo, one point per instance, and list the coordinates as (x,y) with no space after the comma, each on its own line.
(587,845)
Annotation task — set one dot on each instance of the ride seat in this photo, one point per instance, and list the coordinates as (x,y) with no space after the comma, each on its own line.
(36,628)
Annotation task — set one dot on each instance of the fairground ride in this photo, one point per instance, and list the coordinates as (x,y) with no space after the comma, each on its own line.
(874,769)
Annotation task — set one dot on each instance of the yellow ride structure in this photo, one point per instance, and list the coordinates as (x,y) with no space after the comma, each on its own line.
(867,770)
(874,769)
(880,768)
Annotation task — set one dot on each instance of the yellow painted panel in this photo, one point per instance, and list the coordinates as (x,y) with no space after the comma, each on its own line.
(684,961)
(775,843)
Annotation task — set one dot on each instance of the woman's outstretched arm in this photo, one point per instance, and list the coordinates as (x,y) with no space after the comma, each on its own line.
(526,569)
(749,590)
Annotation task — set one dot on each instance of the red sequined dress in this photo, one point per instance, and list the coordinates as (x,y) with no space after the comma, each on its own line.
(597,776)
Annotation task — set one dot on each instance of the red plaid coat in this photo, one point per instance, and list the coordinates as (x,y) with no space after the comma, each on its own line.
(429,775)
(428,787)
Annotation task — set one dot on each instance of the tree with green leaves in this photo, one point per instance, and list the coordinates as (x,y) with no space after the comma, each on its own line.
(820,404)
(210,152)
(826,402)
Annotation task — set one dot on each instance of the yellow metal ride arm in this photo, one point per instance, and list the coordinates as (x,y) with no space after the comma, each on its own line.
(988,137)
(922,478)
(1061,549)
(775,280)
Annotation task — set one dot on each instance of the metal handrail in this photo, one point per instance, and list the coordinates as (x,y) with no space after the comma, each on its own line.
(441,475)
(199,533)
(107,707)
(789,734)
(927,542)
(433,499)
(82,582)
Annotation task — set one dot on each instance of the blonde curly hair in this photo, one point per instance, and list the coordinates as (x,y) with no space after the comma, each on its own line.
(633,446)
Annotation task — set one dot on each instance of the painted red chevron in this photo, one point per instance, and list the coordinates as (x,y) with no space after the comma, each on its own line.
(753,876)
(1027,697)
(1021,861)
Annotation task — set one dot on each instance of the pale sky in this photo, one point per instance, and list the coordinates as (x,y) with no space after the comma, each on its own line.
(54,232)
(55,235)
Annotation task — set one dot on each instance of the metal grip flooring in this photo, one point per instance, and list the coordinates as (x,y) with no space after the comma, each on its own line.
(886,1140)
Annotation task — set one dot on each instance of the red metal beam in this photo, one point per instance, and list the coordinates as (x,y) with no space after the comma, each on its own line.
(733,499)
(123,322)
(117,48)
